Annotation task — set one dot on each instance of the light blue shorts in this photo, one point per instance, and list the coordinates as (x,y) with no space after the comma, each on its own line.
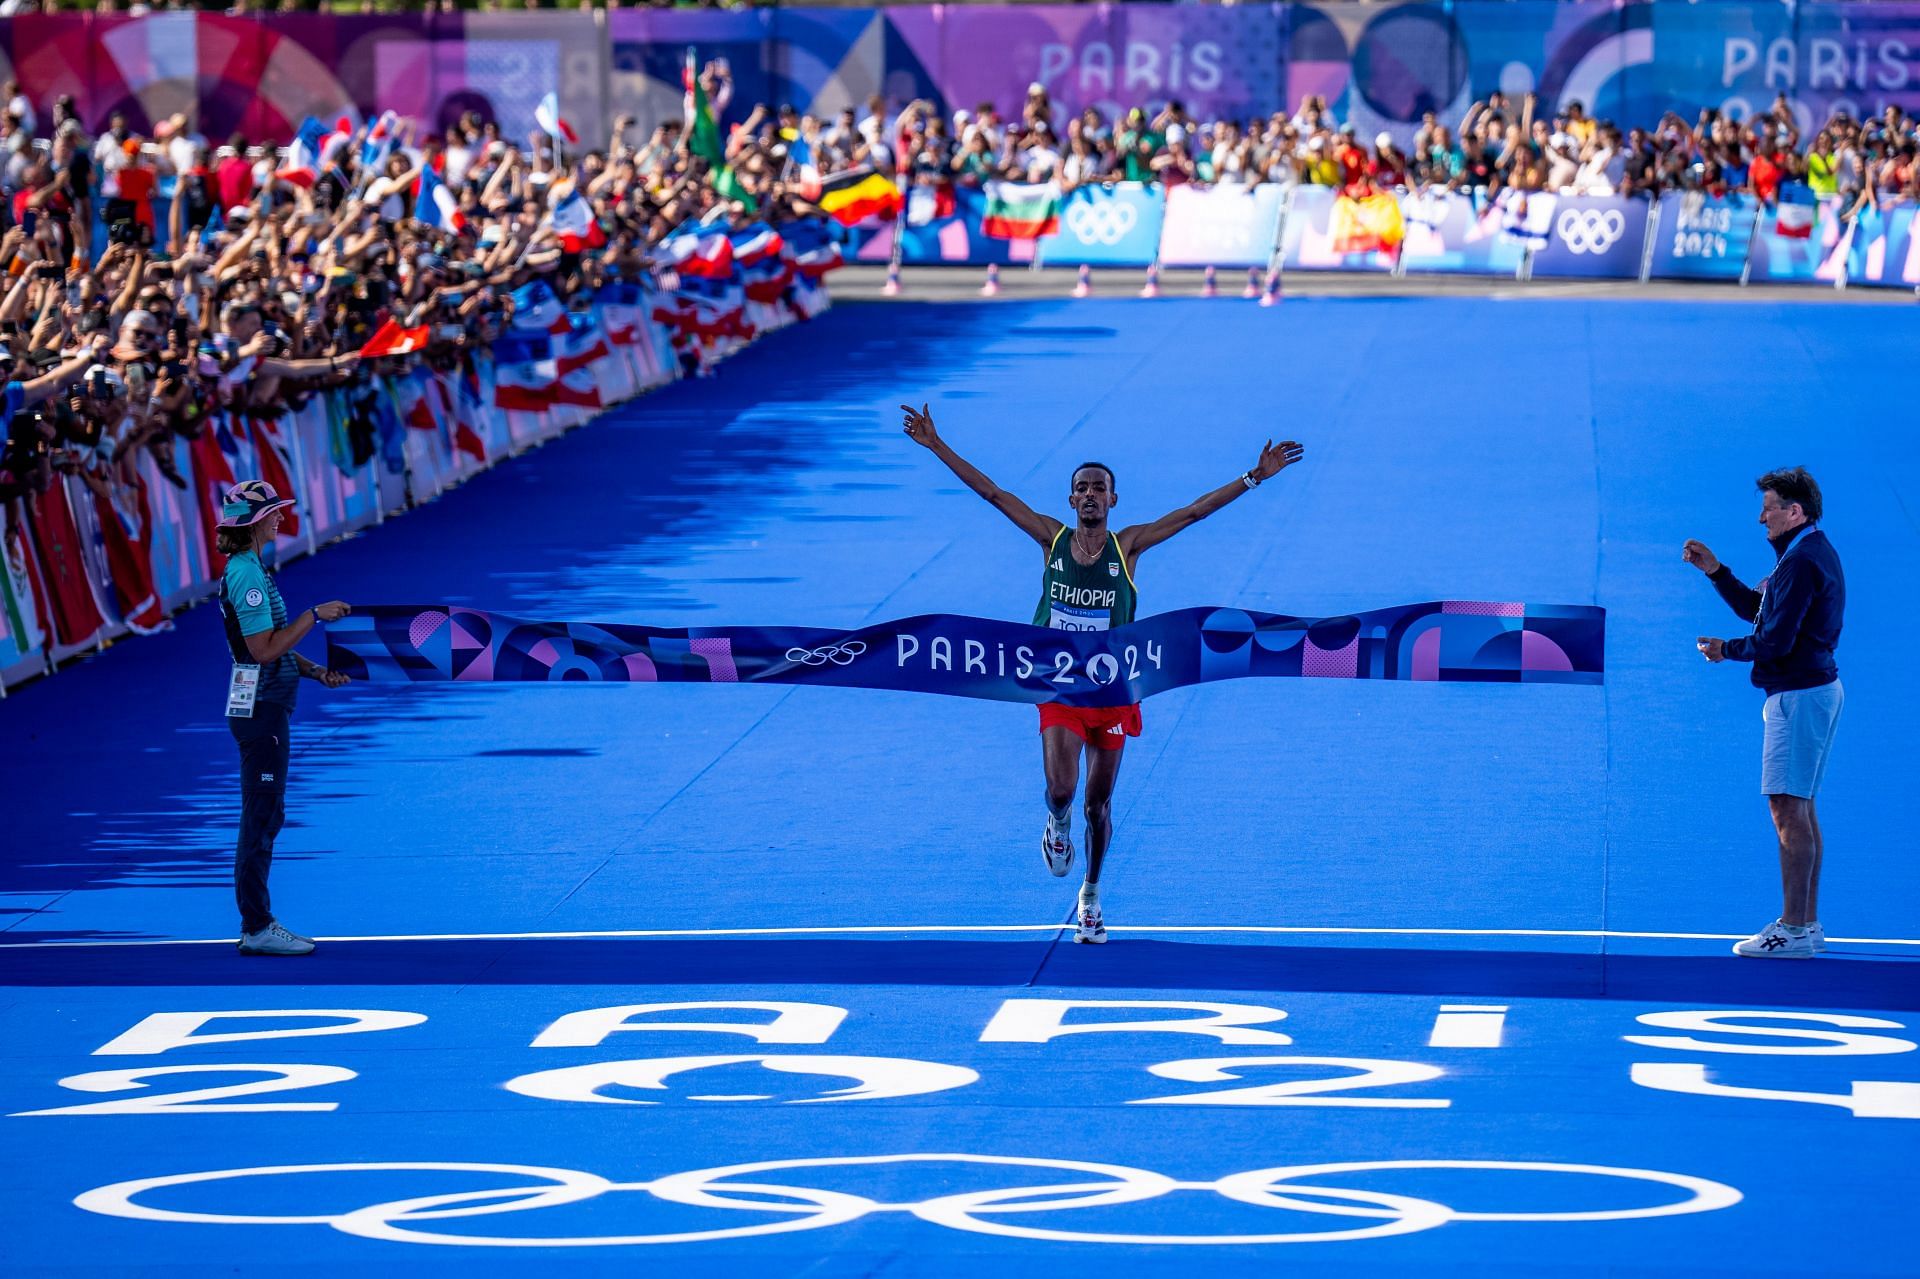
(1799,737)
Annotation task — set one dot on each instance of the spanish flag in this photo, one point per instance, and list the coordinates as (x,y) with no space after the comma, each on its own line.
(858,194)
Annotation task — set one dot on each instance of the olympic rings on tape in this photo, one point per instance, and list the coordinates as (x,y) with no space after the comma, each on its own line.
(838,654)
(797,1208)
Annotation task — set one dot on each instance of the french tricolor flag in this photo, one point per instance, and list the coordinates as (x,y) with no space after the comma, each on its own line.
(552,123)
(381,139)
(1797,213)
(573,221)
(708,255)
(303,157)
(756,244)
(435,204)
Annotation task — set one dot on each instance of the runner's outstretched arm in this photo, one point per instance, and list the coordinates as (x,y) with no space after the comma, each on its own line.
(919,428)
(1274,458)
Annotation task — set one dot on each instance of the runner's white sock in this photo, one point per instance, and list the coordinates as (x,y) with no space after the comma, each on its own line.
(1089,894)
(1063,814)
(1795,930)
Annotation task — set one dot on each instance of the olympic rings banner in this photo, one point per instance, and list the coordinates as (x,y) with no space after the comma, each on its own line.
(1454,640)
(1594,237)
(1107,226)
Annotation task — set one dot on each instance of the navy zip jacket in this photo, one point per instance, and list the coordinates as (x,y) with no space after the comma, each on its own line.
(1796,614)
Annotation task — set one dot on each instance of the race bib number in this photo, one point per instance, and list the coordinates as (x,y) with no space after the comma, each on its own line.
(1074,619)
(241,691)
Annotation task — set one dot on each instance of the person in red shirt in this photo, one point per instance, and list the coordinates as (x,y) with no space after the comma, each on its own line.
(233,176)
(1765,174)
(1388,167)
(1353,165)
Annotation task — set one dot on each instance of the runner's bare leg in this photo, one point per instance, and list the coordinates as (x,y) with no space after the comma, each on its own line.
(1103,769)
(1060,751)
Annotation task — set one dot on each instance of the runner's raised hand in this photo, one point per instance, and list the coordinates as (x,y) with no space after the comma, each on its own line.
(1275,458)
(918,424)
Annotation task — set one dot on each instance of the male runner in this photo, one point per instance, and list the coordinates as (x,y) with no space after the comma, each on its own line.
(1087,585)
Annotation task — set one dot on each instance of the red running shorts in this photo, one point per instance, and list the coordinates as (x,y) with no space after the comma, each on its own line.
(1104,728)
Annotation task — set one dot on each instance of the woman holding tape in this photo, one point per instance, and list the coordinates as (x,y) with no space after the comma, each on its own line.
(260,697)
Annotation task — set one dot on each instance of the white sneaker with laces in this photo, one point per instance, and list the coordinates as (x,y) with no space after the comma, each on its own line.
(1056,845)
(1817,935)
(1775,942)
(275,940)
(1091,927)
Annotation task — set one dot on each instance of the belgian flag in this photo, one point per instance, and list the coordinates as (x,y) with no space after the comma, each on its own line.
(858,194)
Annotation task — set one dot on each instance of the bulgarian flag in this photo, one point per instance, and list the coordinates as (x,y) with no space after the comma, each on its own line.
(1021,210)
(703,139)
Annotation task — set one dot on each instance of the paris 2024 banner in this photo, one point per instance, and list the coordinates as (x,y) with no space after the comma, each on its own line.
(1381,66)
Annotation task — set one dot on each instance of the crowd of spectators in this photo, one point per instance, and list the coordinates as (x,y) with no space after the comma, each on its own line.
(152,279)
(1500,142)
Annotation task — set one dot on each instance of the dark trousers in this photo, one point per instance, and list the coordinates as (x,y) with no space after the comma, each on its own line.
(264,753)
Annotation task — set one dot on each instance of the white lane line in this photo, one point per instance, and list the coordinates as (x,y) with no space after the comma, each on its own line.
(855,929)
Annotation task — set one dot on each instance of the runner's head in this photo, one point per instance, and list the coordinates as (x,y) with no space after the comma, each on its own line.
(1092,493)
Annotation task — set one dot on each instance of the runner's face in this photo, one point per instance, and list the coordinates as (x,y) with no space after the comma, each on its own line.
(1092,496)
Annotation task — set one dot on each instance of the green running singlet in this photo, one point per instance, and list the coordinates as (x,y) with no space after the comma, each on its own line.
(1085,597)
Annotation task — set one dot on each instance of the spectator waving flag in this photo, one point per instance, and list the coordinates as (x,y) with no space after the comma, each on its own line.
(806,171)
(536,310)
(552,123)
(1797,212)
(814,251)
(703,140)
(380,142)
(1021,210)
(572,220)
(1369,225)
(394,338)
(852,197)
(436,205)
(755,244)
(303,162)
(706,253)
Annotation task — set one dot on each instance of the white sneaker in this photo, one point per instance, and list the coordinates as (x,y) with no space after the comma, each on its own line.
(1092,928)
(275,940)
(1056,845)
(1775,942)
(1817,935)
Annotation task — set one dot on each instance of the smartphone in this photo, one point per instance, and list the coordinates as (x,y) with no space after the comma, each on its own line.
(28,221)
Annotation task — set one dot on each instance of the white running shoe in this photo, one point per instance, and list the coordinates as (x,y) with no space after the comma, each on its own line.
(1056,845)
(1092,928)
(275,940)
(1775,942)
(1817,935)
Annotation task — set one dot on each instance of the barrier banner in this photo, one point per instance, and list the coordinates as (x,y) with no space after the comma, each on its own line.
(1457,640)
(1454,233)
(1702,237)
(929,235)
(1884,251)
(1789,249)
(1107,226)
(1594,237)
(1231,226)
(1307,236)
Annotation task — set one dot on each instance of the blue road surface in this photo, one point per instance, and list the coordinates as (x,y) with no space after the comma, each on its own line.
(1403,978)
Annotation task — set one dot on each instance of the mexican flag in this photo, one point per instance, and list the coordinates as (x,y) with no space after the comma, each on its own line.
(703,139)
(1021,210)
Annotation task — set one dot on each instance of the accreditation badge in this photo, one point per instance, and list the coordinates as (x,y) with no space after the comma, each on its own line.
(242,689)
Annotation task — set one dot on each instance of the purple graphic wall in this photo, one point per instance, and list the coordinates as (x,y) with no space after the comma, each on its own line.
(1380,65)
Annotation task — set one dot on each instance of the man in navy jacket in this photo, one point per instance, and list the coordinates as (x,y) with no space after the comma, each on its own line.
(1796,614)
